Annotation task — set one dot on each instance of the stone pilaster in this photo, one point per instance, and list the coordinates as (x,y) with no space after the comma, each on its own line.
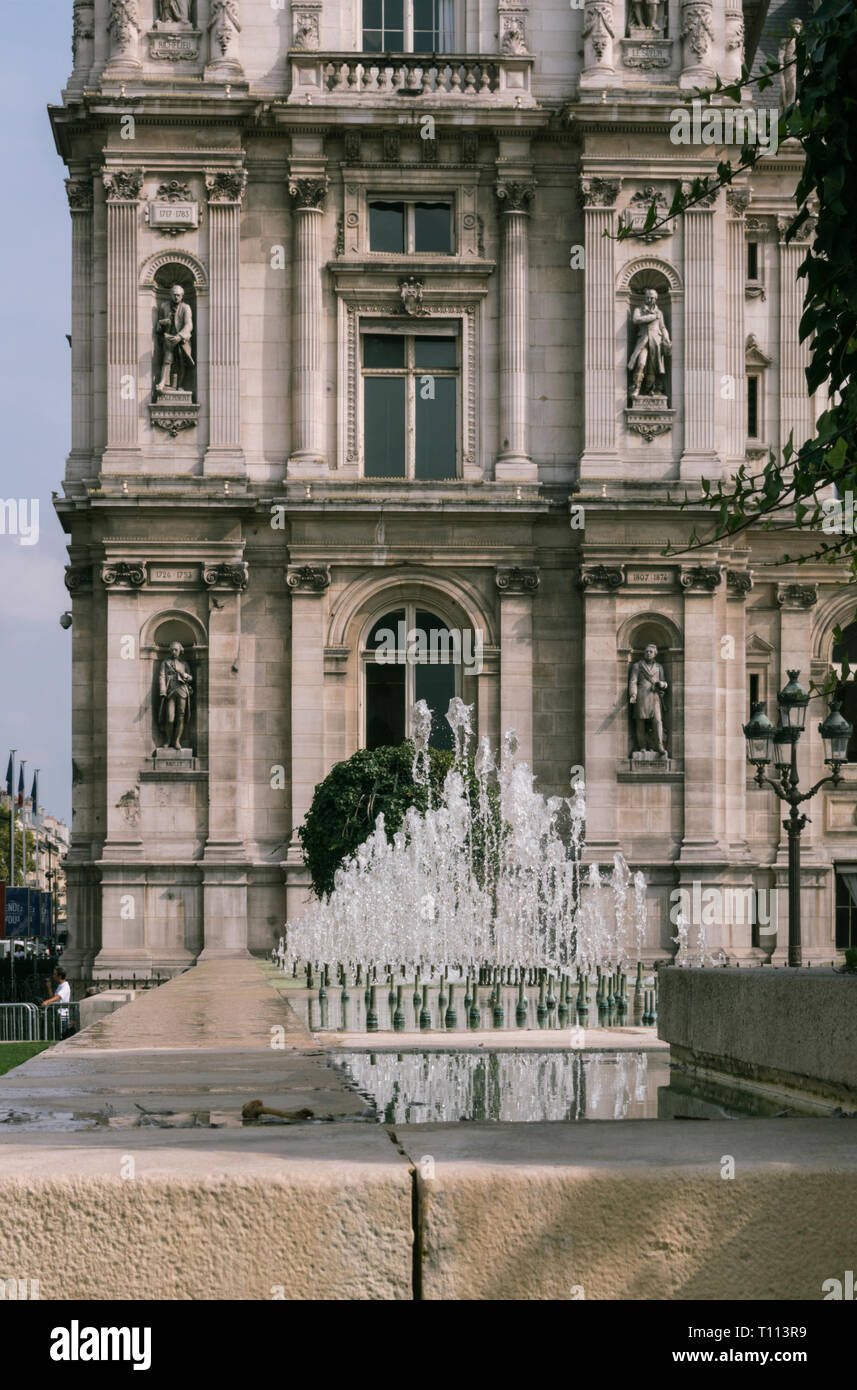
(124,25)
(700,316)
(80,200)
(224,456)
(703,716)
(600,584)
(697,44)
(517,588)
(797,413)
(122,187)
(600,454)
(737,201)
(599,33)
(739,583)
(308,456)
(734,59)
(513,461)
(82,44)
(307,585)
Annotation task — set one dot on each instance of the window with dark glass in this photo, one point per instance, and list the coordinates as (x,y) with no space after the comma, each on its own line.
(752,260)
(846,909)
(410,406)
(753,395)
(846,691)
(408,658)
(409,227)
(408,26)
(754,691)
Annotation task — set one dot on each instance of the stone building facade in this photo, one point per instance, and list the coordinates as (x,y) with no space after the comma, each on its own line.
(402,393)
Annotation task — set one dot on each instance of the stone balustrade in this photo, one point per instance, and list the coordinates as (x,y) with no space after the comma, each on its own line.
(337,77)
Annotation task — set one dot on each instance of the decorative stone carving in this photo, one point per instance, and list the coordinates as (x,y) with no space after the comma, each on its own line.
(309,193)
(734,61)
(224,29)
(352,147)
(516,195)
(175,679)
(226,186)
(739,581)
(516,580)
(122,572)
(391,147)
(514,38)
(598,193)
(754,355)
(124,28)
(469,147)
(647,54)
(598,35)
(637,211)
(78,577)
(701,577)
(227,574)
(411,293)
(602,577)
(797,595)
(176,210)
(702,202)
(123,185)
(738,201)
(79,193)
(312,579)
(175,47)
(649,417)
(647,687)
(804,231)
(306,32)
(697,31)
(82,26)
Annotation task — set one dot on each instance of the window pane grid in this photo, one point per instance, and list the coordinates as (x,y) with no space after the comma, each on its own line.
(411,411)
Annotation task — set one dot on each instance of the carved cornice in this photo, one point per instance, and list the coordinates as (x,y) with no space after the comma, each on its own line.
(797,595)
(78,577)
(79,194)
(599,193)
(226,186)
(309,194)
(739,581)
(123,572)
(516,580)
(516,195)
(230,575)
(602,576)
(123,185)
(308,579)
(707,577)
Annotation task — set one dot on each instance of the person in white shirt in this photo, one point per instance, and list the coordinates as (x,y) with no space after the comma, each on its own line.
(62,997)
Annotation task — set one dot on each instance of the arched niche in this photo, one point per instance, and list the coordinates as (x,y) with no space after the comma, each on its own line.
(157,636)
(174,272)
(637,633)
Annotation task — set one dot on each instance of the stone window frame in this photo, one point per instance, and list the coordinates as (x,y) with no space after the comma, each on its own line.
(355,313)
(409,203)
(460,28)
(410,183)
(364,654)
(756,364)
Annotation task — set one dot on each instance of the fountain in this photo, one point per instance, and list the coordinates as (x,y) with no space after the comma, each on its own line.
(494,884)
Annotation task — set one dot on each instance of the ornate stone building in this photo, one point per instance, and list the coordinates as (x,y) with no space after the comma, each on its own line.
(352,350)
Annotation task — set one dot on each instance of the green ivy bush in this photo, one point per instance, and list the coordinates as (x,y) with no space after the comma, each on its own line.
(348,802)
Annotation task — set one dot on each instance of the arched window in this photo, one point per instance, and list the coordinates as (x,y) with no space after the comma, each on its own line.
(411,654)
(847,690)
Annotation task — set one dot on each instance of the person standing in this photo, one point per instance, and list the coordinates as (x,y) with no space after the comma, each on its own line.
(61,997)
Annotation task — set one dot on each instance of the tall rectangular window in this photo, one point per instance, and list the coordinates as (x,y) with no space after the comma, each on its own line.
(408,26)
(410,406)
(753,403)
(410,227)
(752,260)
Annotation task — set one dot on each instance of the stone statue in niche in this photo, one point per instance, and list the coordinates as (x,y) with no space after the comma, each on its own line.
(646,690)
(174,12)
(174,686)
(646,14)
(175,330)
(647,363)
(787,56)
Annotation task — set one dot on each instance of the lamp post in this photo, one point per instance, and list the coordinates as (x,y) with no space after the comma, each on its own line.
(762,738)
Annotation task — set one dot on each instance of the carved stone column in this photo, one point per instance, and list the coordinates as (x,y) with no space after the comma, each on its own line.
(124,25)
(737,202)
(517,589)
(122,188)
(80,205)
(797,411)
(82,43)
(701,393)
(600,454)
(224,456)
(224,36)
(599,32)
(697,44)
(224,873)
(308,457)
(734,59)
(513,460)
(704,751)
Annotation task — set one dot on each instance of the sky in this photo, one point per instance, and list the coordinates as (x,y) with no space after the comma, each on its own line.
(35,402)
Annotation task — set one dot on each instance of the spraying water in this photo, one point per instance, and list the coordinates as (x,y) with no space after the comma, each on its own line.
(489,877)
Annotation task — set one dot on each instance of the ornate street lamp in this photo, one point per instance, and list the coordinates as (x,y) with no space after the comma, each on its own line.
(763,742)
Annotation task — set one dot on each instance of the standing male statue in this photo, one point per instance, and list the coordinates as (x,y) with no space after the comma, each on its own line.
(176,330)
(644,14)
(174,11)
(648,360)
(646,689)
(174,685)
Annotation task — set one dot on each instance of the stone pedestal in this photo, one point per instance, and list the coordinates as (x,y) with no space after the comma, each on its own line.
(173,411)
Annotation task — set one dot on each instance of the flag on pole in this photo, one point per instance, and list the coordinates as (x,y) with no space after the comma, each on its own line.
(10,776)
(21,788)
(34,797)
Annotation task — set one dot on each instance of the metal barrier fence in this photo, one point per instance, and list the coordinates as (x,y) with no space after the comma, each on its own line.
(31,1023)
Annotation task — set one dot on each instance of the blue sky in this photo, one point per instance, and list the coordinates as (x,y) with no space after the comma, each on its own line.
(35,686)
